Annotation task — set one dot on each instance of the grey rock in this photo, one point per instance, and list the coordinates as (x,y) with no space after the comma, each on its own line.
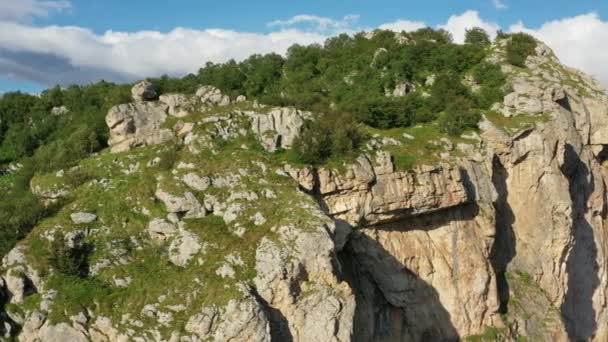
(243,320)
(83,218)
(279,127)
(201,324)
(137,124)
(211,96)
(160,229)
(186,204)
(179,105)
(195,182)
(183,248)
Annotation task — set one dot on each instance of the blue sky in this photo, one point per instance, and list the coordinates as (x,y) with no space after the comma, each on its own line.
(164,15)
(80,41)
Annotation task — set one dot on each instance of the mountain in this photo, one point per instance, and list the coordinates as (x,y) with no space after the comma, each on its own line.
(438,193)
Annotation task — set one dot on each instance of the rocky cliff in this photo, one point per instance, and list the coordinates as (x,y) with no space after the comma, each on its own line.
(193,233)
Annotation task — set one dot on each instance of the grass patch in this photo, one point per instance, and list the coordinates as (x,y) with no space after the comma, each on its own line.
(516,123)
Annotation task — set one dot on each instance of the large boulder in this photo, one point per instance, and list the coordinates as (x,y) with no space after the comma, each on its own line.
(145,91)
(137,124)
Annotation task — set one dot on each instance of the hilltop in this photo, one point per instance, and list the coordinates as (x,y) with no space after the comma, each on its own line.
(384,186)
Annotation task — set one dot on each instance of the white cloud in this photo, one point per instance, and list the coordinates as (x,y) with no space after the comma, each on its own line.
(317,23)
(403,25)
(578,41)
(25,10)
(56,54)
(458,24)
(64,54)
(499,4)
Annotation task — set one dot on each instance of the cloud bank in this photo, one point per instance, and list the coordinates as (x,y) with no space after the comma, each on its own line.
(65,54)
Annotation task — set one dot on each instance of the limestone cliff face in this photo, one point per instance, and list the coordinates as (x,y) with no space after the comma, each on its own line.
(432,248)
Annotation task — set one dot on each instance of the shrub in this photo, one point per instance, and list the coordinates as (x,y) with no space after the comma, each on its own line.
(19,212)
(70,260)
(492,81)
(446,88)
(458,116)
(330,136)
(519,48)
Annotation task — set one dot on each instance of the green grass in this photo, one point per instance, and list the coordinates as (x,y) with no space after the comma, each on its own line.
(121,225)
(515,123)
(490,334)
(420,150)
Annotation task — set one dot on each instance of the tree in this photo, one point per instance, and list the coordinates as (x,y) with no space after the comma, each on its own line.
(477,36)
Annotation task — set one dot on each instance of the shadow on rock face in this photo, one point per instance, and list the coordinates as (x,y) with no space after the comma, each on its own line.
(577,310)
(410,310)
(504,248)
(7,326)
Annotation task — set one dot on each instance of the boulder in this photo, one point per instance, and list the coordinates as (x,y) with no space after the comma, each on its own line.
(83,218)
(137,124)
(183,247)
(196,182)
(187,204)
(160,229)
(145,91)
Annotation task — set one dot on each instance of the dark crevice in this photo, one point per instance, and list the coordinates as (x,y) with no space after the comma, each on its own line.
(564,103)
(603,155)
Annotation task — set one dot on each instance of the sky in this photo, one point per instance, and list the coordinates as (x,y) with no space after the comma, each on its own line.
(49,42)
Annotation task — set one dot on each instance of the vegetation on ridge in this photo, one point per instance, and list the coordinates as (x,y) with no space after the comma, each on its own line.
(351,79)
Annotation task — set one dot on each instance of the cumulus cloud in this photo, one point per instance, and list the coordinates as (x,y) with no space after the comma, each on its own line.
(499,4)
(577,41)
(458,24)
(25,10)
(403,25)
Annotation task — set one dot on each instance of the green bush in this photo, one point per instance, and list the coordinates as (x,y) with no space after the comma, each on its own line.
(492,81)
(330,136)
(458,116)
(519,48)
(71,261)
(19,212)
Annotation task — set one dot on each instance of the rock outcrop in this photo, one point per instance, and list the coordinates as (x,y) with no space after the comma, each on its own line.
(279,127)
(145,91)
(137,124)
